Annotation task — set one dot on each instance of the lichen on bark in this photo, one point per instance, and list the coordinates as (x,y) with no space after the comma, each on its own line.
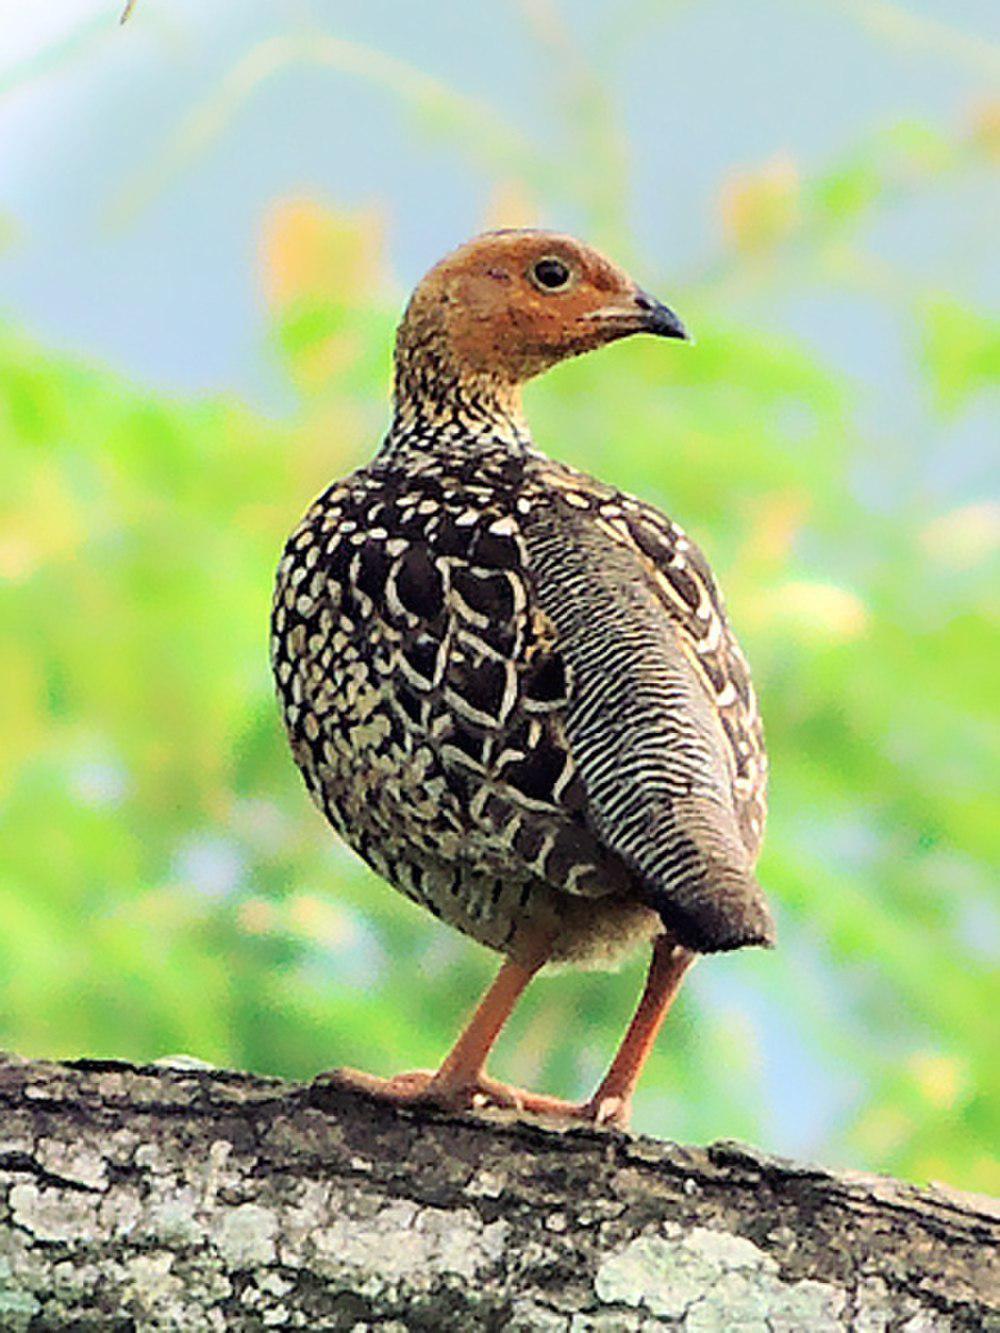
(180,1198)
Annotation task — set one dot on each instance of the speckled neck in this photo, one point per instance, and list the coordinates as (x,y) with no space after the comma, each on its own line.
(438,402)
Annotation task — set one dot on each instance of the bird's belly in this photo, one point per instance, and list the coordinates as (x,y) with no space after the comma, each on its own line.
(374,776)
(377,780)
(378,783)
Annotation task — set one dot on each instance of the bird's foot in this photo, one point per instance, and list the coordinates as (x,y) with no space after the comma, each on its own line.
(502,1095)
(603,1111)
(423,1087)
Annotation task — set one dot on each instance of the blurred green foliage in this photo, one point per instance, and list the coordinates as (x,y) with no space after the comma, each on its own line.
(164,883)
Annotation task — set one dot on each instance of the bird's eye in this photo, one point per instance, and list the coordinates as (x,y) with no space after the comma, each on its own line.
(550,274)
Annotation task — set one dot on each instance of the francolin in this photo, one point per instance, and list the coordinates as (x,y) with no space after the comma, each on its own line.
(511,688)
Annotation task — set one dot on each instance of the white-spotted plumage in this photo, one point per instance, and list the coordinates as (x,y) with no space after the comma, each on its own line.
(457,727)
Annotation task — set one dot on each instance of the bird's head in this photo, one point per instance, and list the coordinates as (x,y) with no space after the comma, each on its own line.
(509,304)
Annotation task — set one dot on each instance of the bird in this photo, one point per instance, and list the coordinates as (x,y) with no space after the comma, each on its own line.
(512,688)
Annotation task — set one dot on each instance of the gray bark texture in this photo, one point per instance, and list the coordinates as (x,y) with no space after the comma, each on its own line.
(173,1197)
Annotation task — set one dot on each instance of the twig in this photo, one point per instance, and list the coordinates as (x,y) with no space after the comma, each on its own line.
(465,116)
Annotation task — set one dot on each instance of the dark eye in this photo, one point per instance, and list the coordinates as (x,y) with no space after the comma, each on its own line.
(550,274)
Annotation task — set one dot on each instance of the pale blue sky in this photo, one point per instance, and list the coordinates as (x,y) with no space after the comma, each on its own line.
(703,89)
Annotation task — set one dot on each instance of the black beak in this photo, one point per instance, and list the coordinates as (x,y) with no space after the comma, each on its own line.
(659,319)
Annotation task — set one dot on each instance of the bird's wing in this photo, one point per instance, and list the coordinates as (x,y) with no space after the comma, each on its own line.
(660,718)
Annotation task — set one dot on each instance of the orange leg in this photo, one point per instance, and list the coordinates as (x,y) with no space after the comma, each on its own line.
(463,1067)
(611,1104)
(461,1081)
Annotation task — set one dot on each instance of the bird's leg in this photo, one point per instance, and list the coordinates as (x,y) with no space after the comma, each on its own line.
(611,1104)
(460,1081)
(463,1067)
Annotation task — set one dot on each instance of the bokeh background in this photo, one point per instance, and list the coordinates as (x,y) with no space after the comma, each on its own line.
(209,219)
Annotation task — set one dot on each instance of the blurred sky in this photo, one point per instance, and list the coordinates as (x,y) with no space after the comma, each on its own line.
(162,282)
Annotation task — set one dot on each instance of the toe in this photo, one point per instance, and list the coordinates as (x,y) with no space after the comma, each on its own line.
(608,1112)
(406,1087)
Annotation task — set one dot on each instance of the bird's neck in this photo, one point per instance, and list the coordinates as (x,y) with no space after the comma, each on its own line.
(458,411)
(438,402)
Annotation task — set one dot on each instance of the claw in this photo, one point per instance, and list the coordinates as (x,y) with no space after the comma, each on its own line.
(611,1112)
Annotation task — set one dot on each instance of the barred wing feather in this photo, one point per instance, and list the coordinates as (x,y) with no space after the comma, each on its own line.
(660,767)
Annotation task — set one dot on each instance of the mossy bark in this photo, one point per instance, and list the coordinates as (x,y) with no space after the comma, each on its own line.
(177,1198)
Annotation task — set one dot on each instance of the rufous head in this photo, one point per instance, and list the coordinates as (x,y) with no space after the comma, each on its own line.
(507,305)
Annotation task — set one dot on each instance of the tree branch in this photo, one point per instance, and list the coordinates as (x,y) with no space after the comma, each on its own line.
(177,1198)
